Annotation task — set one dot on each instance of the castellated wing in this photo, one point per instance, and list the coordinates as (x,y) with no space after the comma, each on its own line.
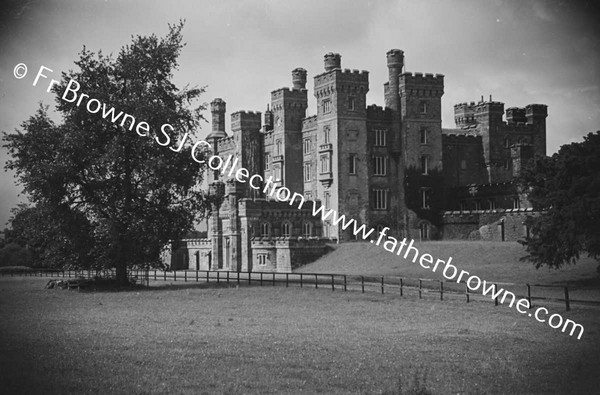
(391,166)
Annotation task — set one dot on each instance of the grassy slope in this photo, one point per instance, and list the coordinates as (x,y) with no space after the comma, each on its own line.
(497,262)
(197,339)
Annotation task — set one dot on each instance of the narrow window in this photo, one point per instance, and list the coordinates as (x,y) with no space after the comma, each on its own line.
(277,171)
(327,200)
(477,204)
(516,203)
(425,197)
(306,146)
(278,147)
(351,103)
(327,134)
(424,231)
(267,160)
(285,229)
(463,164)
(307,172)
(307,229)
(506,142)
(326,106)
(380,138)
(352,164)
(424,133)
(492,204)
(506,164)
(324,163)
(380,165)
(380,199)
(423,107)
(425,164)
(265,229)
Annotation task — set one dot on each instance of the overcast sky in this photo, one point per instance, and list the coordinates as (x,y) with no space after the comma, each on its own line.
(520,52)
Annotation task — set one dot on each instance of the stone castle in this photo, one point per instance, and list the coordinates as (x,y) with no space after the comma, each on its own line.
(385,166)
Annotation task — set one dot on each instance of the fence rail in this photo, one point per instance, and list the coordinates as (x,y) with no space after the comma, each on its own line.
(401,286)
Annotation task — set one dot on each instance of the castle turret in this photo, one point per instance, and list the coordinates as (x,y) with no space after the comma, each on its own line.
(299,78)
(395,63)
(333,61)
(217,109)
(267,120)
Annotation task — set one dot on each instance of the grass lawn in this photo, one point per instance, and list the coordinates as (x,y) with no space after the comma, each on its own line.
(197,338)
(493,261)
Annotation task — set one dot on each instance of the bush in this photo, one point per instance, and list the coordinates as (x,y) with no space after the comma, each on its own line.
(15,255)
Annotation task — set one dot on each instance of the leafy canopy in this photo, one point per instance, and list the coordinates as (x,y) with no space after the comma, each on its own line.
(125,194)
(566,187)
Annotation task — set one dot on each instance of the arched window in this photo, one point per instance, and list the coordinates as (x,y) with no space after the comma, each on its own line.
(265,229)
(286,229)
(307,229)
(424,230)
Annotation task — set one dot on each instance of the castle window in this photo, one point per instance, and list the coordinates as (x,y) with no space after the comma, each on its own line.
(307,229)
(262,259)
(267,159)
(324,160)
(308,195)
(327,200)
(425,164)
(306,146)
(352,164)
(265,229)
(516,203)
(423,107)
(463,164)
(326,106)
(492,204)
(379,165)
(424,231)
(327,134)
(425,198)
(424,133)
(277,171)
(463,205)
(351,103)
(506,164)
(285,229)
(506,142)
(380,138)
(278,147)
(307,171)
(380,197)
(477,205)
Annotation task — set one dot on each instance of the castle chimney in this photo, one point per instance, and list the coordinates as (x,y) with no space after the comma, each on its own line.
(268,120)
(299,78)
(333,61)
(395,63)
(217,109)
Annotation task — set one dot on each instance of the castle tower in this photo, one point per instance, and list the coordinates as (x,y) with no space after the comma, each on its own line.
(395,64)
(285,152)
(488,116)
(217,109)
(246,127)
(536,115)
(341,139)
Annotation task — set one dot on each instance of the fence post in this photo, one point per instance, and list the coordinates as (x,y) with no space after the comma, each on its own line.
(155,274)
(528,294)
(467,292)
(382,285)
(197,273)
(316,281)
(207,276)
(249,278)
(287,279)
(420,287)
(496,298)
(218,276)
(332,283)
(401,286)
(300,280)
(238,278)
(345,283)
(261,278)
(227,276)
(362,283)
(185,276)
(174,275)
(441,289)
(568,305)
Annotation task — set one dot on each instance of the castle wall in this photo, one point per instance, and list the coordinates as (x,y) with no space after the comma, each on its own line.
(488,225)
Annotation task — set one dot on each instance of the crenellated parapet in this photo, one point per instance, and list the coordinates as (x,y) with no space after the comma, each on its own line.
(378,113)
(246,121)
(419,84)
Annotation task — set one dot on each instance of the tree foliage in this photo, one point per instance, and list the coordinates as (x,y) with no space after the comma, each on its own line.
(566,188)
(112,197)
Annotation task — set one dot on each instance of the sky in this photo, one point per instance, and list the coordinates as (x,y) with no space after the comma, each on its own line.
(518,51)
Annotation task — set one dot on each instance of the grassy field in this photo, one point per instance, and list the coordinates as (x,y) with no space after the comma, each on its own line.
(197,338)
(493,261)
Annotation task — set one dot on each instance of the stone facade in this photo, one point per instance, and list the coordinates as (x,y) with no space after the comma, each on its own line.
(391,166)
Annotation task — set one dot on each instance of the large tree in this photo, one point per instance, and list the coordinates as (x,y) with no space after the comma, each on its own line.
(116,185)
(566,189)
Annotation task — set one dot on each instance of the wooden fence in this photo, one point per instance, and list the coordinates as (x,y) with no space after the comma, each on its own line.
(421,288)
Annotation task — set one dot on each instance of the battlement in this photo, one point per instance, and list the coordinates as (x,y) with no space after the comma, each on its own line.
(195,242)
(460,139)
(332,61)
(375,112)
(246,120)
(422,84)
(422,78)
(309,123)
(536,110)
